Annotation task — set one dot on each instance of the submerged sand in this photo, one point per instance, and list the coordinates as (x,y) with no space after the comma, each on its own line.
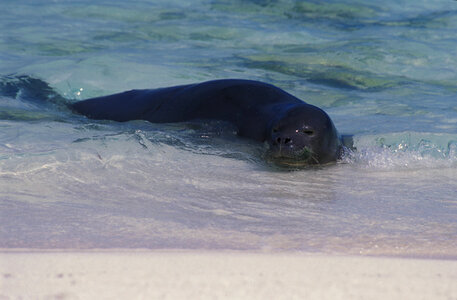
(218,275)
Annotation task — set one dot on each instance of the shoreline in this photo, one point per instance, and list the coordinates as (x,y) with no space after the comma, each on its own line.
(417,255)
(183,274)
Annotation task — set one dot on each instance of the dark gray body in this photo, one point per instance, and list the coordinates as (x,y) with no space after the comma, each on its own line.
(297,132)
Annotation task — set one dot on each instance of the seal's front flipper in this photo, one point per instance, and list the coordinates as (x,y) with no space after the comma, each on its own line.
(348,141)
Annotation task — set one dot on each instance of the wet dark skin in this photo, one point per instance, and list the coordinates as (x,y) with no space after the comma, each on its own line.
(297,133)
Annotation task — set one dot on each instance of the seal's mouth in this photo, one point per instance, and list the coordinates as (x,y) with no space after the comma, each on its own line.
(302,158)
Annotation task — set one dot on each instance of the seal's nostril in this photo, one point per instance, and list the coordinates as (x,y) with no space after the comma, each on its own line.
(282,141)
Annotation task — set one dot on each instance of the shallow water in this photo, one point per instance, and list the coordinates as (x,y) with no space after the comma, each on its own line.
(385,73)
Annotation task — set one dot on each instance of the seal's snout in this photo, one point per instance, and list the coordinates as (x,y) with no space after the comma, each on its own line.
(279,136)
(282,141)
(288,139)
(286,143)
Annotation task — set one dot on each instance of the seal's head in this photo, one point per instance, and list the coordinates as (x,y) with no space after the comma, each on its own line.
(303,135)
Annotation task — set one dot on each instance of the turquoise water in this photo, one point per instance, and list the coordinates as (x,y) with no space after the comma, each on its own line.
(385,72)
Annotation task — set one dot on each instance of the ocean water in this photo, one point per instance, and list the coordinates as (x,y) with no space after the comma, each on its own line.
(385,72)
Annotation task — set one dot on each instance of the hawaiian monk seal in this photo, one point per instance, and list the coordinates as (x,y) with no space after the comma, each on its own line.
(297,133)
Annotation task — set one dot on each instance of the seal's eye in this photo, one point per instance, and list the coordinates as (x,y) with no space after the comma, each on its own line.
(275,129)
(308,132)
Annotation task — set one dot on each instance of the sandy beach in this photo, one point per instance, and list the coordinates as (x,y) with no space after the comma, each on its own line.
(219,275)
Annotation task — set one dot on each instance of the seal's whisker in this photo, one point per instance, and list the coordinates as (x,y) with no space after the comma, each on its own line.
(315,159)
